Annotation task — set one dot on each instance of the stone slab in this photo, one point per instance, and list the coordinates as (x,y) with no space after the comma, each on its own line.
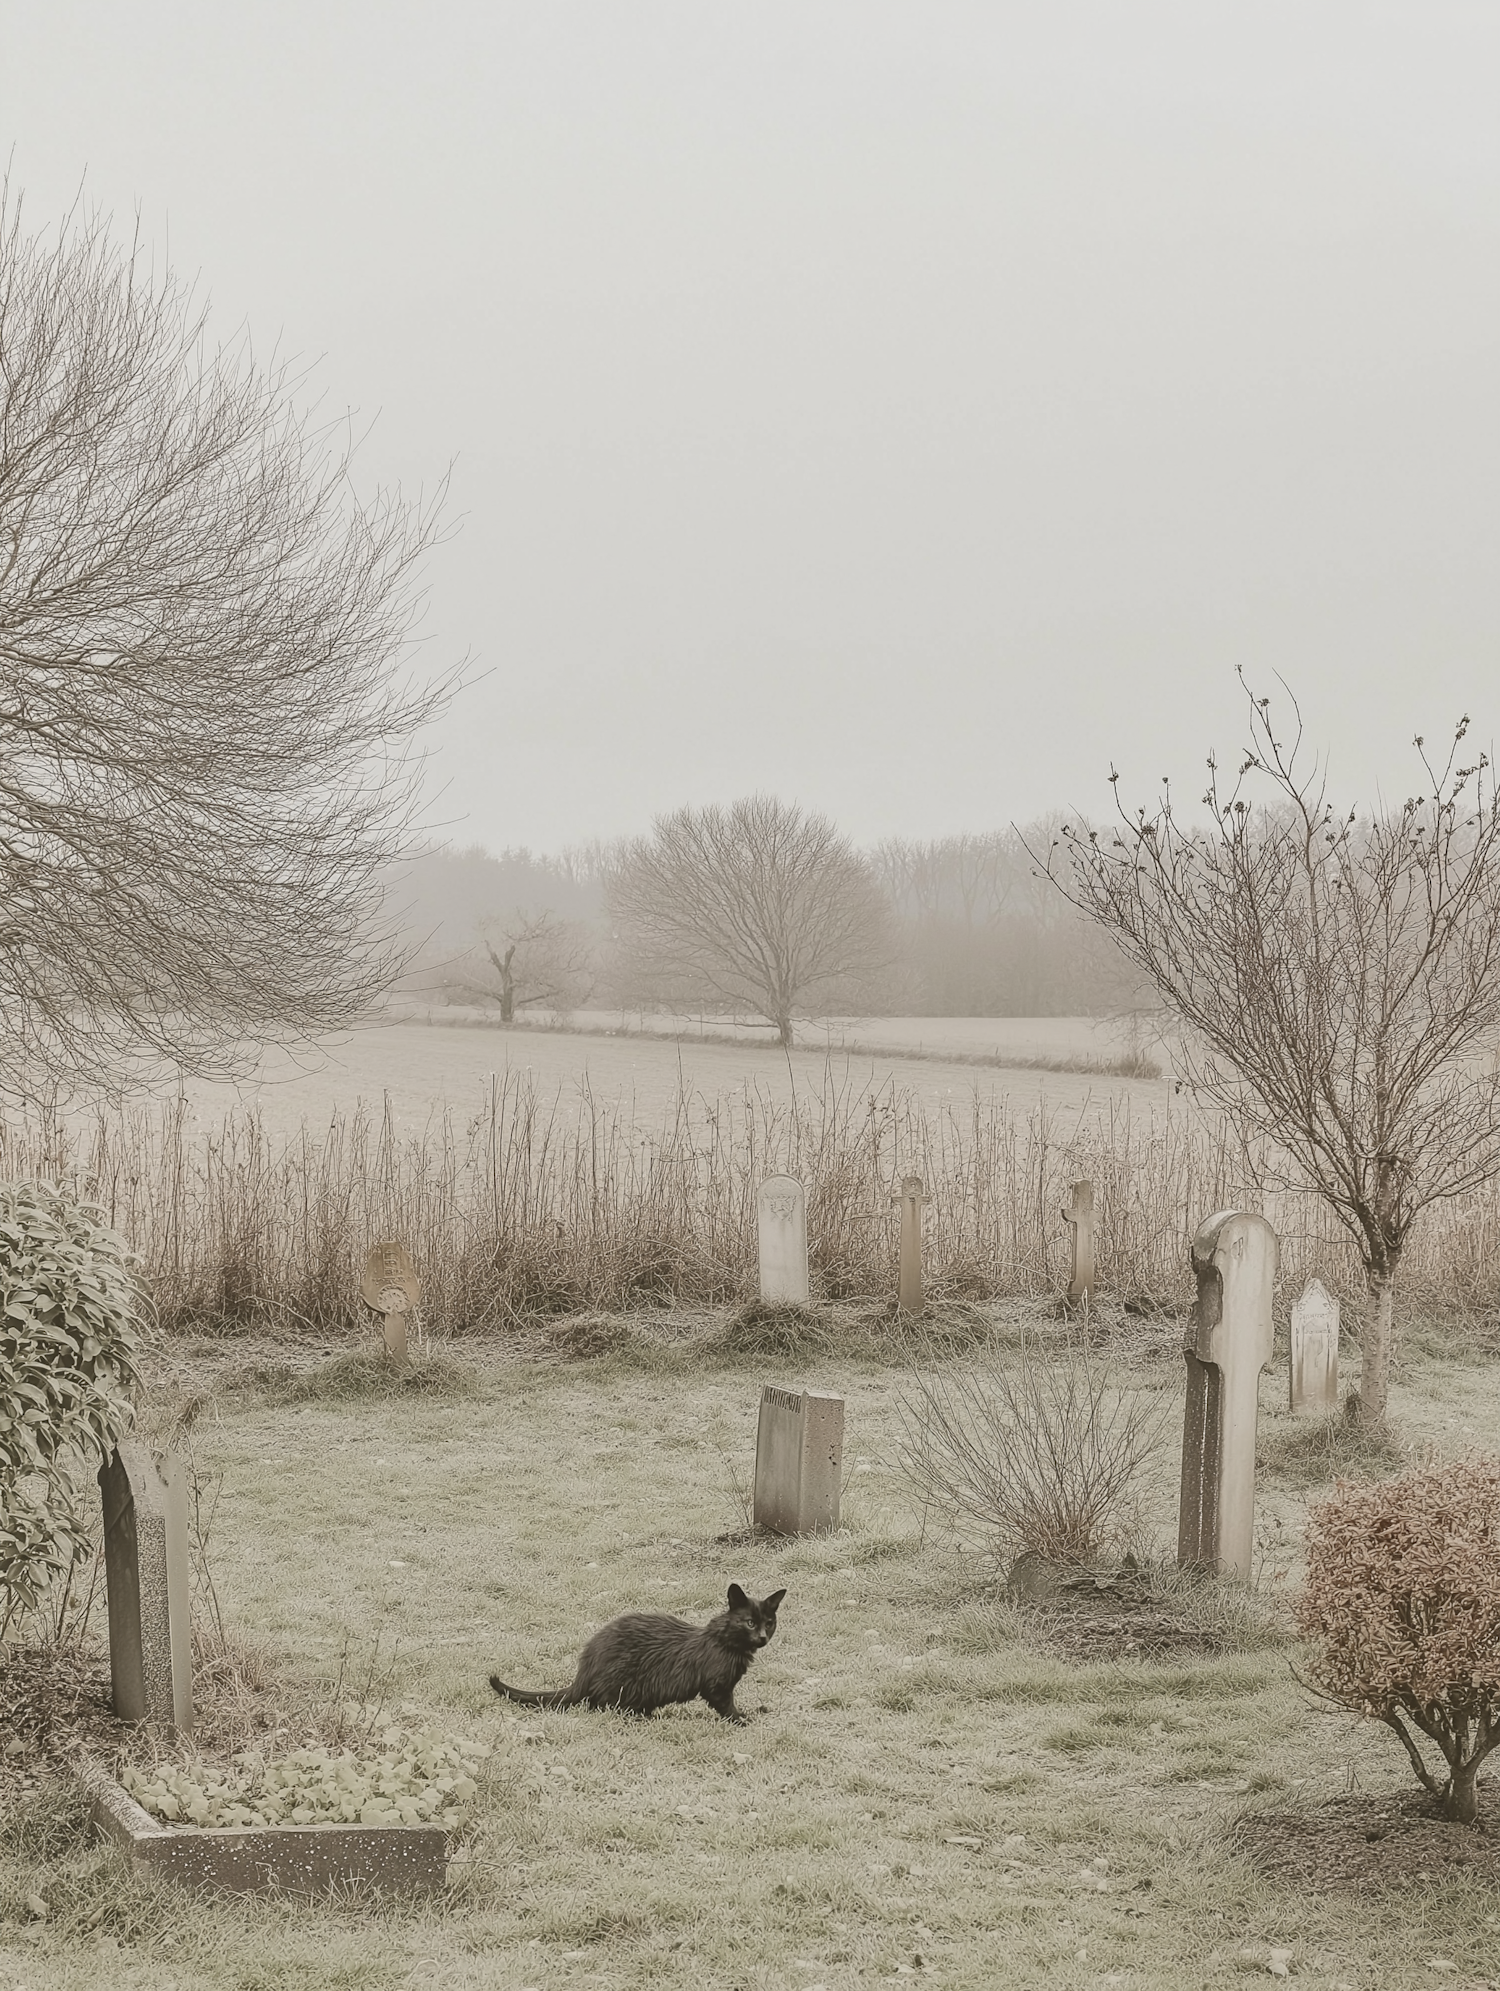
(1079,1217)
(293,1859)
(1228,1344)
(781,1224)
(1314,1373)
(799,1457)
(148,1585)
(910,1294)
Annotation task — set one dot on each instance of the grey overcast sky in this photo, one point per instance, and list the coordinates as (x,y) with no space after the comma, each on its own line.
(907,409)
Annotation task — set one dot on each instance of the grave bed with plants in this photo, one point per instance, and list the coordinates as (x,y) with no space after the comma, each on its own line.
(310,1819)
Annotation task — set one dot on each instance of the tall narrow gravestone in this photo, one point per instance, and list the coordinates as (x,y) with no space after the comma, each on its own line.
(1315,1350)
(390,1288)
(1079,1217)
(799,1457)
(909,1288)
(1228,1344)
(781,1218)
(147,1582)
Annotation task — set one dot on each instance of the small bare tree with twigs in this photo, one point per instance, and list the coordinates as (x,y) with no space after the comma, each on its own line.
(534,961)
(761,906)
(205,726)
(1340,978)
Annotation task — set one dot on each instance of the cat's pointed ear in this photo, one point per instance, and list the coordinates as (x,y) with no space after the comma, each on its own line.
(738,1601)
(770,1603)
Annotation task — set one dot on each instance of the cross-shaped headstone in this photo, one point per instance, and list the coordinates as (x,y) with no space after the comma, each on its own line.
(1079,1216)
(909,1289)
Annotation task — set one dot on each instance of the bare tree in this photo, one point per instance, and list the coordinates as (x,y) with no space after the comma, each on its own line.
(205,727)
(1340,975)
(759,906)
(535,960)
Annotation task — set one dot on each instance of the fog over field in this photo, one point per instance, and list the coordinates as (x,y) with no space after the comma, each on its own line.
(421,1071)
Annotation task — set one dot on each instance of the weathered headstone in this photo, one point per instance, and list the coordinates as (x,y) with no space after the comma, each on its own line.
(390,1287)
(781,1216)
(1228,1344)
(799,1455)
(1315,1350)
(146,1578)
(1079,1217)
(909,1288)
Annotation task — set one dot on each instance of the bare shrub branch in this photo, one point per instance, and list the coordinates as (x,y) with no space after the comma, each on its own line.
(1039,1455)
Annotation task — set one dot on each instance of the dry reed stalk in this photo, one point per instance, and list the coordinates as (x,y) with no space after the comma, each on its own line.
(530,1207)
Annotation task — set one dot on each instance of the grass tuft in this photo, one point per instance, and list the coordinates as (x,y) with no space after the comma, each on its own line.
(1306,1452)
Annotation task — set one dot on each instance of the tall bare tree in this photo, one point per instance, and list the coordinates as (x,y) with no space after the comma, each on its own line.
(205,713)
(760,906)
(1340,976)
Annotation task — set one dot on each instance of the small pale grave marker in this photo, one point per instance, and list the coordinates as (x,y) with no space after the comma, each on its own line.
(390,1287)
(799,1453)
(1228,1344)
(781,1216)
(1079,1217)
(1315,1350)
(146,1580)
(909,1290)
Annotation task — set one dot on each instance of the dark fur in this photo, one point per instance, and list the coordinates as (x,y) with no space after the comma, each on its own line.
(646,1660)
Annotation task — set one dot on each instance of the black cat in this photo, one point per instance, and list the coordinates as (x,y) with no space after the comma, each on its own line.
(646,1660)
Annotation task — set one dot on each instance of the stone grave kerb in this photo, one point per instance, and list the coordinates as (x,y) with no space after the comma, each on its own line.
(1229,1342)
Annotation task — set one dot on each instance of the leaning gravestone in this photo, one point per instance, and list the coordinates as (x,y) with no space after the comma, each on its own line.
(799,1453)
(146,1580)
(1228,1344)
(909,1294)
(1315,1350)
(390,1288)
(781,1217)
(1079,1217)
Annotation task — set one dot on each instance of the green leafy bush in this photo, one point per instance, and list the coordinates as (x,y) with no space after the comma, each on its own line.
(407,1777)
(69,1303)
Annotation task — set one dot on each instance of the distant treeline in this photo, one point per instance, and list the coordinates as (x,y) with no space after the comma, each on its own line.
(976,929)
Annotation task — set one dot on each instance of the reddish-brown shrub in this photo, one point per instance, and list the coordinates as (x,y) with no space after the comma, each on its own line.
(1403,1602)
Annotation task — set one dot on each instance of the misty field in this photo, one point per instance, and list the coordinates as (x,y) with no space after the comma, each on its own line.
(643,1064)
(930,1786)
(536,1173)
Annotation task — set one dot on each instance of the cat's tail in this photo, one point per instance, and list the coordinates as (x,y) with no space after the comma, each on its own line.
(559,1699)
